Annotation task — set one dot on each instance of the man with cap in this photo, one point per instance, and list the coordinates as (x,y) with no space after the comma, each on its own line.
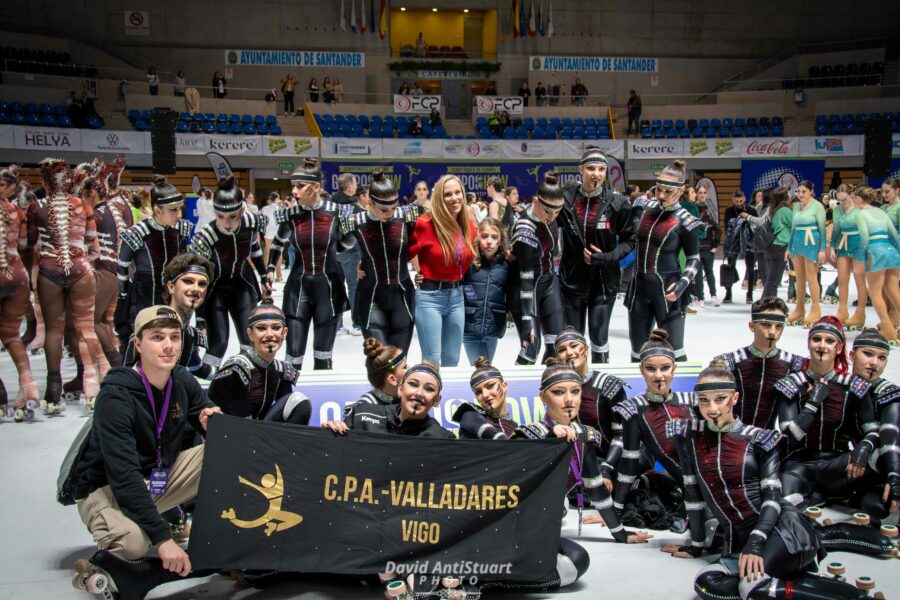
(132,468)
(597,232)
(187,281)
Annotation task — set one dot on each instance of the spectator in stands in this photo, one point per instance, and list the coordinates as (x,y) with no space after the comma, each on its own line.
(634,112)
(271,96)
(288,83)
(491,89)
(494,123)
(540,94)
(417,90)
(313,90)
(273,204)
(434,119)
(554,90)
(505,121)
(415,128)
(579,92)
(524,93)
(218,85)
(404,89)
(180,84)
(339,91)
(420,45)
(422,196)
(327,91)
(205,212)
(153,81)
(88,111)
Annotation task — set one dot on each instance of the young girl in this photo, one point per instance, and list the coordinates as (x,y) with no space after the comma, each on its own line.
(484,291)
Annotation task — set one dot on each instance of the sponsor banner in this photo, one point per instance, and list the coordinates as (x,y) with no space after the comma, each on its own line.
(488,104)
(595,64)
(895,144)
(7,136)
(277,145)
(573,149)
(416,104)
(118,142)
(302,499)
(191,143)
(48,138)
(235,145)
(351,148)
(655,148)
(443,75)
(412,148)
(832,145)
(137,22)
(532,149)
(714,148)
(770,148)
(295,58)
(765,174)
(893,172)
(469,149)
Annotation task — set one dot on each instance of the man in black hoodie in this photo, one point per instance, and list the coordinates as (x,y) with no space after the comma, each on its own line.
(133,469)
(349,258)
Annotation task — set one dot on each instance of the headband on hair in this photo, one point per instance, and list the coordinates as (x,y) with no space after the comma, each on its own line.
(382,201)
(827,328)
(651,352)
(878,344)
(593,155)
(567,375)
(304,178)
(767,317)
(551,205)
(714,386)
(669,184)
(266,315)
(227,208)
(173,199)
(196,269)
(568,336)
(480,377)
(392,363)
(423,368)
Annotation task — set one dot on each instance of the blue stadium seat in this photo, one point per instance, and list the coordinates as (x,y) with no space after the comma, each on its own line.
(59,109)
(889,115)
(222,118)
(32,119)
(849,128)
(750,131)
(258,120)
(271,120)
(48,120)
(275,129)
(326,118)
(740,122)
(141,125)
(764,121)
(181,127)
(4,117)
(751,122)
(703,124)
(147,115)
(222,127)
(603,134)
(199,117)
(590,133)
(209,127)
(64,121)
(696,132)
(835,128)
(374,131)
(579,122)
(656,124)
(659,133)
(692,124)
(715,123)
(764,130)
(15,107)
(556,123)
(234,118)
(821,119)
(249,129)
(17,118)
(737,131)
(211,117)
(344,129)
(351,119)
(834,118)
(509,133)
(184,116)
(847,118)
(671,132)
(527,121)
(45,109)
(537,133)
(822,129)
(668,124)
(724,132)
(646,133)
(262,129)
(376,120)
(356,130)
(684,132)
(542,122)
(728,122)
(709,132)
(481,122)
(565,136)
(236,127)
(567,122)
(363,120)
(31,108)
(522,132)
(339,119)
(680,124)
(245,119)
(777,129)
(551,132)
(134,114)
(485,132)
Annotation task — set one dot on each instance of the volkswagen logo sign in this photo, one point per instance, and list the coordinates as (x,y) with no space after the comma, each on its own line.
(112,139)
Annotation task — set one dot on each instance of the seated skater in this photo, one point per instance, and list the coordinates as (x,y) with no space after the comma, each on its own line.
(561,395)
(256,385)
(870,355)
(821,410)
(187,279)
(759,366)
(139,421)
(385,366)
(487,418)
(769,547)
(419,392)
(645,417)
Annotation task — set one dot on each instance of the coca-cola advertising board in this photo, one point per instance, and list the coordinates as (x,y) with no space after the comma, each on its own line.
(783,147)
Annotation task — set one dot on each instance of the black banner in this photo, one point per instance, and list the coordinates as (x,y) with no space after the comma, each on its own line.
(291,498)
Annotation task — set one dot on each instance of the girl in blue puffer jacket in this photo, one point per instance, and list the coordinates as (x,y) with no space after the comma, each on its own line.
(484,289)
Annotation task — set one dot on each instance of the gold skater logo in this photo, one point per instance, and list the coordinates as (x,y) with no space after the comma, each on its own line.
(274,519)
(534,172)
(412,171)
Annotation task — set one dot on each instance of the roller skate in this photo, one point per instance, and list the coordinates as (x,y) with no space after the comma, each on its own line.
(842,315)
(73,390)
(797,316)
(25,412)
(397,588)
(837,571)
(52,404)
(867,585)
(889,333)
(449,587)
(858,537)
(857,321)
(119,579)
(178,524)
(815,313)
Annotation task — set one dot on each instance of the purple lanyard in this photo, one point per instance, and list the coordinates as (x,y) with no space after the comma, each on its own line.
(575,465)
(459,249)
(160,420)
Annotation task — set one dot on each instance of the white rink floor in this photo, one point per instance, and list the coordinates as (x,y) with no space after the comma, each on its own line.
(40,540)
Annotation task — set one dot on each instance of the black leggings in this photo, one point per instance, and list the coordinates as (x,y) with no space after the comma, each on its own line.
(774,259)
(236,300)
(387,313)
(598,309)
(314,305)
(549,308)
(707,258)
(648,305)
(816,477)
(572,562)
(528,354)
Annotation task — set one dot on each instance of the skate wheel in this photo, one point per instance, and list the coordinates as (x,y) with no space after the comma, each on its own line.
(395,589)
(99,583)
(836,568)
(865,583)
(878,595)
(78,582)
(82,565)
(861,519)
(69,397)
(19,416)
(889,530)
(827,522)
(450,582)
(813,512)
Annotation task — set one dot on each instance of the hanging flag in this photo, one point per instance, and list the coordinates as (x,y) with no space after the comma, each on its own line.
(343,18)
(353,16)
(550,20)
(362,16)
(523,19)
(532,28)
(383,20)
(515,18)
(541,18)
(373,29)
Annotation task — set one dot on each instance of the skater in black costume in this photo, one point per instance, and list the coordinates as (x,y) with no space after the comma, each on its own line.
(385,367)
(385,296)
(314,293)
(663,229)
(770,548)
(487,418)
(256,385)
(228,241)
(597,232)
(534,241)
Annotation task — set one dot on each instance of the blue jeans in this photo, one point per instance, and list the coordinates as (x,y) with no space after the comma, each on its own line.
(440,318)
(480,346)
(349,260)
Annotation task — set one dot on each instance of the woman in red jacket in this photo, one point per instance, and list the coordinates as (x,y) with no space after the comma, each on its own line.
(442,241)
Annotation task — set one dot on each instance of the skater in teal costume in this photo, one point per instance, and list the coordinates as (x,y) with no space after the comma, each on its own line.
(879,241)
(807,251)
(845,253)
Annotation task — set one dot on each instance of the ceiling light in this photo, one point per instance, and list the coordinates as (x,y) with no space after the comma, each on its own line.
(465,10)
(433,10)
(402,9)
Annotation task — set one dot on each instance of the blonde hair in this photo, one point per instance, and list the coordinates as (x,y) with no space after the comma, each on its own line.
(446,226)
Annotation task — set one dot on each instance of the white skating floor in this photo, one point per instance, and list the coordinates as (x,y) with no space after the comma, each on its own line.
(40,540)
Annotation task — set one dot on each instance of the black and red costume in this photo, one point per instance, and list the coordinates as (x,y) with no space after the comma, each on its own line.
(477,423)
(756,374)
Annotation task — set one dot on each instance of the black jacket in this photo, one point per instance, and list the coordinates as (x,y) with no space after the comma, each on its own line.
(607,224)
(121,450)
(385,418)
(484,293)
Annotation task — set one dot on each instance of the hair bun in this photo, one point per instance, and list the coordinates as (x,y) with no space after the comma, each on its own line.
(310,162)
(551,178)
(267,301)
(659,335)
(227,183)
(482,363)
(372,347)
(378,175)
(159,180)
(434,366)
(718,363)
(679,164)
